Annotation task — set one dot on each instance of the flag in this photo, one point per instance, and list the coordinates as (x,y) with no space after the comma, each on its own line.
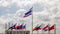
(20,27)
(45,28)
(28,13)
(24,26)
(38,27)
(35,28)
(12,27)
(51,28)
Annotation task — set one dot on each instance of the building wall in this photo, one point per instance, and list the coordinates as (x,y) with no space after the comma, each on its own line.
(17,32)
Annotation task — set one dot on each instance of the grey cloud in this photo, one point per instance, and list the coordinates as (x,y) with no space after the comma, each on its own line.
(9,9)
(44,18)
(57,17)
(40,7)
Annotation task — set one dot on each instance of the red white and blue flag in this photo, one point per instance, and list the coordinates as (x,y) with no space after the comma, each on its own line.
(21,27)
(28,13)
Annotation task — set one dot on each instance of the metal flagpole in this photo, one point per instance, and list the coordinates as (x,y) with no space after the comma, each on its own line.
(25,29)
(54,28)
(12,29)
(5,27)
(48,28)
(32,21)
(16,29)
(9,24)
(42,29)
(9,27)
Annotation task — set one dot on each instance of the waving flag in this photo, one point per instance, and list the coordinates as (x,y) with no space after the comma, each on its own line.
(24,26)
(51,28)
(28,13)
(35,28)
(46,28)
(12,27)
(38,27)
(20,27)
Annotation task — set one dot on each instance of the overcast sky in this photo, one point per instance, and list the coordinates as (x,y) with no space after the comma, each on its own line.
(44,11)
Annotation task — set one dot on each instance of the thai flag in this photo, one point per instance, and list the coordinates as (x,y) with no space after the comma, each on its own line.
(28,13)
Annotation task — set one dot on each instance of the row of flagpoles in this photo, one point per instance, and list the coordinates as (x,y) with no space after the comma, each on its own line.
(38,27)
(44,28)
(30,12)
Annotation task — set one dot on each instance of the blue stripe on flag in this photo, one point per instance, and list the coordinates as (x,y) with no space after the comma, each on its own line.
(28,13)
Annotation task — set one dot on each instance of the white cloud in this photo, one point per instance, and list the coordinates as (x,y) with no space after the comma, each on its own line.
(48,12)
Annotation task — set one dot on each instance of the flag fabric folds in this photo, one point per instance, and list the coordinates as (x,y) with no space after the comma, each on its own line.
(48,28)
(51,28)
(45,28)
(35,28)
(28,13)
(13,27)
(38,27)
(20,27)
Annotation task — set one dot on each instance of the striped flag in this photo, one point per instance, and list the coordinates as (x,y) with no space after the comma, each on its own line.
(12,27)
(45,28)
(51,28)
(28,13)
(22,26)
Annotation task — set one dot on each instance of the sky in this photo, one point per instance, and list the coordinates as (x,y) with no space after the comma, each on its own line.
(44,11)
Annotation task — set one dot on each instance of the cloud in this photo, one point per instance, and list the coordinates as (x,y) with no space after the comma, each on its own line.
(45,12)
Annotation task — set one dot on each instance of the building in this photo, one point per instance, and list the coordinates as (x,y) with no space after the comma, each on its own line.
(17,32)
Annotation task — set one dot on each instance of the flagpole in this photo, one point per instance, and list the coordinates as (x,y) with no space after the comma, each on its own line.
(48,28)
(12,29)
(9,27)
(16,30)
(42,30)
(32,20)
(55,29)
(25,29)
